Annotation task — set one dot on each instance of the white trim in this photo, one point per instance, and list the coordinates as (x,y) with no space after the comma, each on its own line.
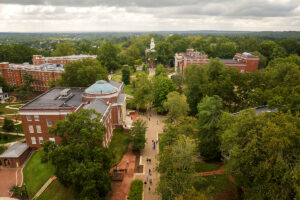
(43,113)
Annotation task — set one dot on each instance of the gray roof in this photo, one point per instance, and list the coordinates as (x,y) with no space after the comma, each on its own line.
(99,105)
(15,151)
(115,84)
(229,61)
(51,99)
(102,87)
(259,110)
(121,98)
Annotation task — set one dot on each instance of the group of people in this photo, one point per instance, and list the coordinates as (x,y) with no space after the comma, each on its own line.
(154,143)
(148,179)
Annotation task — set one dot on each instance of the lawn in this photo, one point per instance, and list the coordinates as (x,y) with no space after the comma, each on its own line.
(211,186)
(119,145)
(36,174)
(4,110)
(116,77)
(2,149)
(128,90)
(206,167)
(56,191)
(5,138)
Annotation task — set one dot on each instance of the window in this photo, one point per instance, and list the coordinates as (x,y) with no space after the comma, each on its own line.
(36,118)
(52,139)
(33,141)
(30,127)
(28,117)
(49,122)
(41,140)
(38,129)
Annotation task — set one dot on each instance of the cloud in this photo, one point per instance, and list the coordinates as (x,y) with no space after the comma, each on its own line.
(148,15)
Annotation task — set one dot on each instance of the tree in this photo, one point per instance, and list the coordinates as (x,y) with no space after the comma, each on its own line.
(80,159)
(139,134)
(83,73)
(266,48)
(290,45)
(164,52)
(8,125)
(108,56)
(143,92)
(263,153)
(176,106)
(249,45)
(178,81)
(4,84)
(162,86)
(64,49)
(262,59)
(209,114)
(176,165)
(192,194)
(126,76)
(225,50)
(278,52)
(16,53)
(160,70)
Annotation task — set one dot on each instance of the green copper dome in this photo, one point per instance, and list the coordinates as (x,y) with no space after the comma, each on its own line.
(101,87)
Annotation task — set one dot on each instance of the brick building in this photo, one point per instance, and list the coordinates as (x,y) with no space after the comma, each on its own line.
(39,59)
(107,98)
(244,62)
(15,155)
(13,74)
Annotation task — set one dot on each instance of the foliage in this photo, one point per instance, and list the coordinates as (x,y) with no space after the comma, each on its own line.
(16,53)
(263,153)
(162,86)
(224,50)
(19,192)
(88,168)
(192,194)
(164,52)
(139,134)
(160,70)
(267,47)
(83,73)
(136,190)
(176,106)
(178,81)
(8,125)
(7,138)
(209,114)
(64,49)
(206,167)
(176,165)
(142,92)
(108,56)
(3,84)
(56,191)
(126,76)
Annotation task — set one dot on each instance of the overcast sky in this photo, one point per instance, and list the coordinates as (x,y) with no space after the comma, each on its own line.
(148,15)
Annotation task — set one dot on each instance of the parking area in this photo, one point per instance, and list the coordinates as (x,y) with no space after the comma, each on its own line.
(8,178)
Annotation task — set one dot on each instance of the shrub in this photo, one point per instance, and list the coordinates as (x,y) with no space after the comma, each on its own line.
(136,190)
(8,125)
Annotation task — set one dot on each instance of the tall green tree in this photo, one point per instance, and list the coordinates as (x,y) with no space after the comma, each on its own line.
(263,153)
(267,47)
(164,52)
(81,160)
(176,106)
(64,49)
(8,125)
(3,84)
(139,134)
(142,92)
(209,114)
(83,73)
(160,70)
(108,56)
(126,75)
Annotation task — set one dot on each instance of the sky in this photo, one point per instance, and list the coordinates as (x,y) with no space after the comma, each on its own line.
(148,15)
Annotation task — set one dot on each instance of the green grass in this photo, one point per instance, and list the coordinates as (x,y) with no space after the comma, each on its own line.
(211,186)
(2,149)
(128,90)
(136,190)
(4,110)
(36,174)
(117,77)
(206,167)
(119,145)
(5,138)
(56,191)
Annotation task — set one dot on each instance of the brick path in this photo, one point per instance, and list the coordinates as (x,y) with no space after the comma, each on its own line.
(44,187)
(217,172)
(8,178)
(121,189)
(148,152)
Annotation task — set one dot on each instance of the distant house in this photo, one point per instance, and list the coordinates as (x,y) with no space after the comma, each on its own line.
(245,62)
(3,96)
(107,98)
(15,155)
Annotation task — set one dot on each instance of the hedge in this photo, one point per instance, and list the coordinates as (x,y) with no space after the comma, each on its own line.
(136,190)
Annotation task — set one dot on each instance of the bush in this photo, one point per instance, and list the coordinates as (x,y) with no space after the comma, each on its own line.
(136,190)
(8,125)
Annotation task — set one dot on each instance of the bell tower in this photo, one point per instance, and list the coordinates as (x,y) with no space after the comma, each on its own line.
(152,45)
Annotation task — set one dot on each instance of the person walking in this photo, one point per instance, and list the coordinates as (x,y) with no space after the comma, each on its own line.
(127,163)
(149,171)
(150,181)
(147,177)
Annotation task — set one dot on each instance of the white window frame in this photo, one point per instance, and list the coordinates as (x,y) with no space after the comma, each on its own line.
(41,139)
(28,117)
(49,124)
(33,140)
(38,129)
(52,139)
(31,129)
(36,118)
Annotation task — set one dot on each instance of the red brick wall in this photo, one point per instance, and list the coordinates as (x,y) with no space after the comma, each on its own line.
(16,162)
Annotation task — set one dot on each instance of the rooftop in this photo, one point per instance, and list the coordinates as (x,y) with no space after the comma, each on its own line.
(15,151)
(260,109)
(52,99)
(99,105)
(72,57)
(103,87)
(45,67)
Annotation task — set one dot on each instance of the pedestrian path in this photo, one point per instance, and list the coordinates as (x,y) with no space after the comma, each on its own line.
(155,126)
(216,172)
(44,187)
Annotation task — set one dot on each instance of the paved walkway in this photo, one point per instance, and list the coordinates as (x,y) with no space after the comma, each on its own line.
(8,178)
(44,187)
(155,126)
(217,172)
(121,189)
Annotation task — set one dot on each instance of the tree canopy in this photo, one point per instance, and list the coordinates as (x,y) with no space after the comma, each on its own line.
(108,56)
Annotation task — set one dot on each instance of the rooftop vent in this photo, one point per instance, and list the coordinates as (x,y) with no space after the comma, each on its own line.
(65,93)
